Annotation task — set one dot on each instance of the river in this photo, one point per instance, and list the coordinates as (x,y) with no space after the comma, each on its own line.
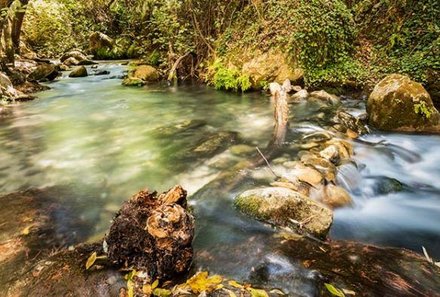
(97,137)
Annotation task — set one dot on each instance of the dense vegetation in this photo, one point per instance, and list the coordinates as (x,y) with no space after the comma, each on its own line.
(341,42)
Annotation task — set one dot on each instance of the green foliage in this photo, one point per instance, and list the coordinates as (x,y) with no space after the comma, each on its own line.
(229,79)
(47,27)
(422,109)
(405,35)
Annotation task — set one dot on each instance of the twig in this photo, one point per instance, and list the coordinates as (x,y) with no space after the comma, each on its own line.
(267,162)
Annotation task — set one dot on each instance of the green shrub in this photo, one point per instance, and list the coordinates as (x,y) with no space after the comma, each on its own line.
(228,79)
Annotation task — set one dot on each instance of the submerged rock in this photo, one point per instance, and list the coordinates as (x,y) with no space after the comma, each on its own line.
(399,104)
(285,207)
(215,143)
(79,71)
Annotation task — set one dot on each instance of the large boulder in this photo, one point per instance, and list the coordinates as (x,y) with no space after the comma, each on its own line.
(79,71)
(5,82)
(77,55)
(141,75)
(287,208)
(271,67)
(100,42)
(399,104)
(44,72)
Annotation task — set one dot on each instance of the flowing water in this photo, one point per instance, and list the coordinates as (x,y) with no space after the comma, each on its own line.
(94,134)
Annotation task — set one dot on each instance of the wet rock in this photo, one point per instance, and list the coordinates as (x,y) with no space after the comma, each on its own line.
(331,153)
(71,62)
(352,123)
(215,143)
(390,271)
(174,130)
(153,233)
(399,104)
(30,87)
(87,62)
(133,82)
(77,55)
(79,71)
(44,72)
(75,58)
(101,72)
(336,197)
(299,96)
(63,67)
(326,97)
(287,85)
(386,185)
(242,149)
(303,173)
(270,66)
(285,207)
(5,82)
(325,167)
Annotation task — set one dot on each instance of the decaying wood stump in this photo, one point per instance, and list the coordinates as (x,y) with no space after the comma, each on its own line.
(153,233)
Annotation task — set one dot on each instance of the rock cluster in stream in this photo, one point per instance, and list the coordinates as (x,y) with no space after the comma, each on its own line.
(305,192)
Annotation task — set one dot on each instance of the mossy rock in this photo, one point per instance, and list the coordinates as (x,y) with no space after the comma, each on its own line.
(280,206)
(271,67)
(141,75)
(44,72)
(133,82)
(399,104)
(79,71)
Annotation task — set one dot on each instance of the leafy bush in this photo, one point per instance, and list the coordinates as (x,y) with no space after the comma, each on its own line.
(229,79)
(47,27)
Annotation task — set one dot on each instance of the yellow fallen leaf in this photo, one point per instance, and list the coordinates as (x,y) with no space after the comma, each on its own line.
(234,284)
(155,284)
(202,283)
(130,287)
(91,260)
(26,230)
(334,291)
(258,293)
(161,292)
(147,290)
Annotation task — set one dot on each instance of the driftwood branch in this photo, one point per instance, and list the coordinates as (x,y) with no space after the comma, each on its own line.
(172,75)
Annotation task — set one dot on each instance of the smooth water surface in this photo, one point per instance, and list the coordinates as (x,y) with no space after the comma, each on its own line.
(92,133)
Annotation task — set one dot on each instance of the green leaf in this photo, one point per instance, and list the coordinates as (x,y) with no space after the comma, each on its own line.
(334,291)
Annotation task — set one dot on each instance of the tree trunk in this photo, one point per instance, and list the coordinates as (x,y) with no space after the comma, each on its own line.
(17,25)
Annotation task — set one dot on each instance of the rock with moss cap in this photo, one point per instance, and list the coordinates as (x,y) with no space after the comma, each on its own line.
(141,75)
(287,208)
(271,67)
(399,104)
